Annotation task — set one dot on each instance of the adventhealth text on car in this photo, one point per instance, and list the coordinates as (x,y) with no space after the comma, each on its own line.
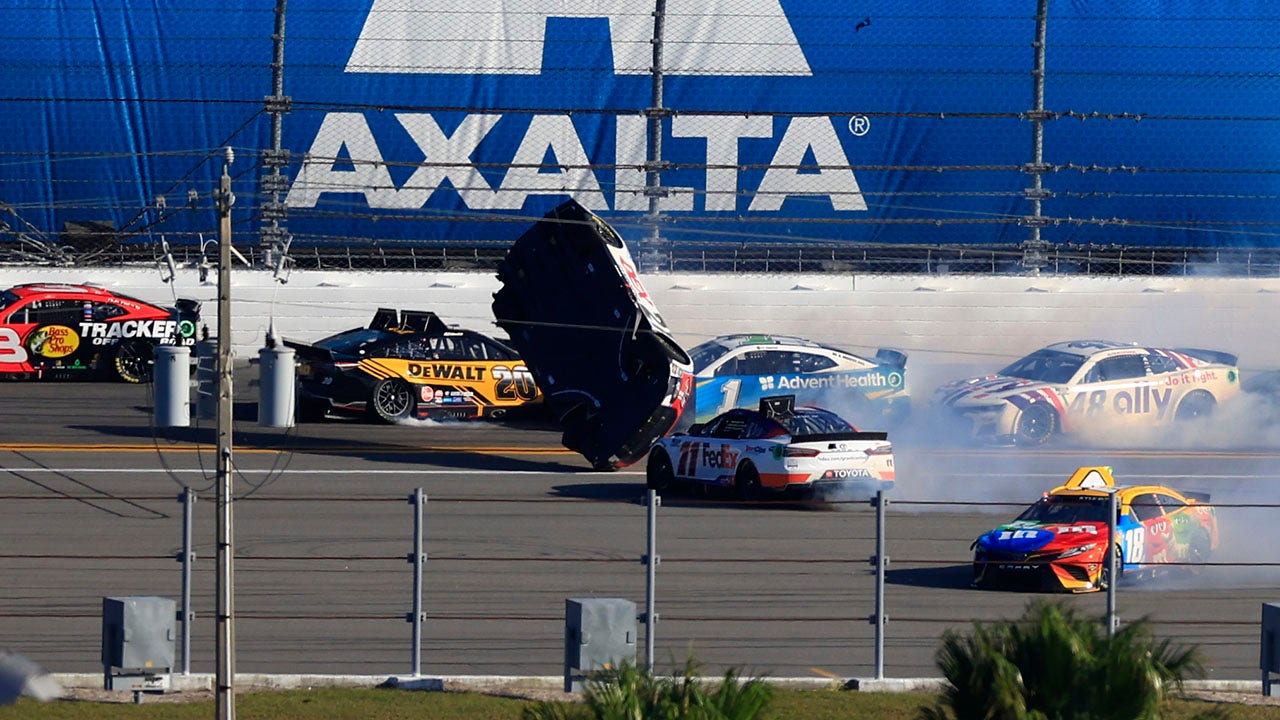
(411,365)
(1061,542)
(737,370)
(779,447)
(63,330)
(1068,387)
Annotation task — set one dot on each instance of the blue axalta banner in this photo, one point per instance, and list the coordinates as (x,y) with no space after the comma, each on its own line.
(783,120)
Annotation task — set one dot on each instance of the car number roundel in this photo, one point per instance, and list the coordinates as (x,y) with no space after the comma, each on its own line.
(11,350)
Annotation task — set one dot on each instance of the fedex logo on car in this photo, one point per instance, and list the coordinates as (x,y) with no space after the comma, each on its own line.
(548,152)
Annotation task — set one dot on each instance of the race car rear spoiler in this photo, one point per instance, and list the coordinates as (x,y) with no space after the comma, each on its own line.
(309,352)
(421,321)
(891,358)
(836,437)
(1213,356)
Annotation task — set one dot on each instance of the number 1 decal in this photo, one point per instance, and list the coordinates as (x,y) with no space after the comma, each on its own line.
(729,395)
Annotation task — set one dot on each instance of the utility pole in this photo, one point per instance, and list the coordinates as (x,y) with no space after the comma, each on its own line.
(226,636)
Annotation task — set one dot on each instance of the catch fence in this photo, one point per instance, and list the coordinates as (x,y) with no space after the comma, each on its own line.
(340,584)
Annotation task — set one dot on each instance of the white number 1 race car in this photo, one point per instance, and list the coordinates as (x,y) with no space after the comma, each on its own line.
(803,452)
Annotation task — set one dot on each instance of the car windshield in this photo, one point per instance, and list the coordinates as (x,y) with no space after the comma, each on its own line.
(705,354)
(8,298)
(1050,366)
(813,422)
(1067,509)
(352,340)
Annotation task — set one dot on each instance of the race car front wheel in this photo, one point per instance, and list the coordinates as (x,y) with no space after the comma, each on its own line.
(659,475)
(1036,424)
(133,361)
(392,400)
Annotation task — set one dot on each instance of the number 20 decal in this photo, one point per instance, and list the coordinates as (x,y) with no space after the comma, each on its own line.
(11,350)
(514,384)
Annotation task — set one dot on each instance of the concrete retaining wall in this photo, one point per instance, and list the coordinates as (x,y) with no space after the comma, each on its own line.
(939,320)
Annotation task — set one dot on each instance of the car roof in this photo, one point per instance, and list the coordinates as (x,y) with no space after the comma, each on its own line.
(1087,348)
(42,288)
(1098,481)
(740,339)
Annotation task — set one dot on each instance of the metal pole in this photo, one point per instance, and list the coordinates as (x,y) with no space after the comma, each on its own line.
(188,616)
(651,560)
(226,666)
(653,163)
(881,562)
(419,560)
(1033,255)
(1113,562)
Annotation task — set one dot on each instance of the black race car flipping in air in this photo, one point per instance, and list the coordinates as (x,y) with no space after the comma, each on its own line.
(572,303)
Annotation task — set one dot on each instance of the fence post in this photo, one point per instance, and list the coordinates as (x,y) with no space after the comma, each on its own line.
(187,557)
(419,561)
(880,561)
(650,560)
(1114,564)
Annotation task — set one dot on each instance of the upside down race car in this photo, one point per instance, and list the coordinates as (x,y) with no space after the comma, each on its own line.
(62,331)
(1071,387)
(573,305)
(411,365)
(1061,542)
(779,448)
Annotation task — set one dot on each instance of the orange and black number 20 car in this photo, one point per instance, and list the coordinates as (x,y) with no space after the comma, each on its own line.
(410,365)
(65,331)
(1061,542)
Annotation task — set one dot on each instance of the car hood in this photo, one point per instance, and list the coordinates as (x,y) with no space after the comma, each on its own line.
(1033,537)
(987,390)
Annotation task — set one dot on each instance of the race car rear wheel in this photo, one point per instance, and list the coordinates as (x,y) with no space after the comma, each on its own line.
(1036,424)
(1196,404)
(134,361)
(747,481)
(392,400)
(659,475)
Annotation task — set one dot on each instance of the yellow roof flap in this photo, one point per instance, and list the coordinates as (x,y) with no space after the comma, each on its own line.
(1094,477)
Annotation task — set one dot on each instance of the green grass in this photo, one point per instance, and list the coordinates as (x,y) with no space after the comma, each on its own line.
(386,704)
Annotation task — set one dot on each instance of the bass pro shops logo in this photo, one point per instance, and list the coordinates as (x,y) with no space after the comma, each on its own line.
(547,153)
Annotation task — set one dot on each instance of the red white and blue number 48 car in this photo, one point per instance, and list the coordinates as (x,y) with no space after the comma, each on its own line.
(54,330)
(779,448)
(1072,387)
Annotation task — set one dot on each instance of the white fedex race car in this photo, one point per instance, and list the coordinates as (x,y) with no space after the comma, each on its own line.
(800,451)
(1073,387)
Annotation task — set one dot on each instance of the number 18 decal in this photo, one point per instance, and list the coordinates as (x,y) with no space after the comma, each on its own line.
(11,350)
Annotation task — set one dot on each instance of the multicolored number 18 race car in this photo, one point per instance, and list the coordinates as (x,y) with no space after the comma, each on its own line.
(61,331)
(1061,542)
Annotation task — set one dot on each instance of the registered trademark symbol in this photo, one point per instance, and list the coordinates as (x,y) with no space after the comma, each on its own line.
(859,125)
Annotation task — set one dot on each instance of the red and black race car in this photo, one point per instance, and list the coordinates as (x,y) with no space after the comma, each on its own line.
(62,331)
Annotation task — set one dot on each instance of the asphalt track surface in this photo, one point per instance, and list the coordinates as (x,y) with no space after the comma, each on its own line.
(514,524)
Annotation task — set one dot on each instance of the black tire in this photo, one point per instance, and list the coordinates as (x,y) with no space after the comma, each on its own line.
(134,361)
(1104,578)
(1197,404)
(659,475)
(1198,551)
(1036,424)
(746,482)
(392,400)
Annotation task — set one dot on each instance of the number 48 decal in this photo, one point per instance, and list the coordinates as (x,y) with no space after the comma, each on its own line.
(11,350)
